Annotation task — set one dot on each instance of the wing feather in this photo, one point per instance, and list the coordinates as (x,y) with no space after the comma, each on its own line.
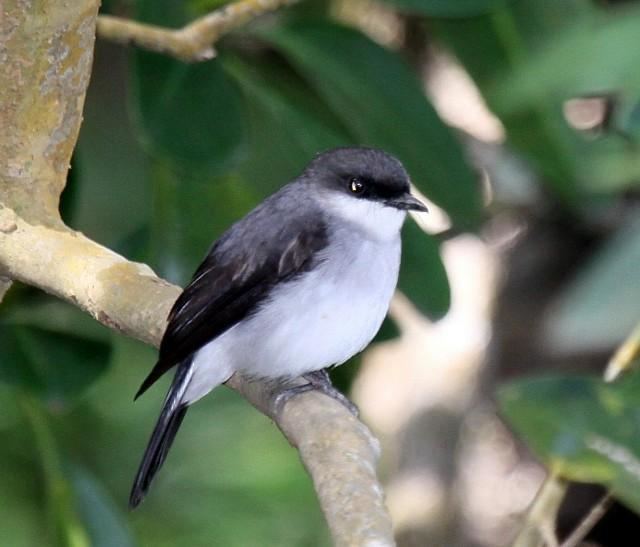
(237,275)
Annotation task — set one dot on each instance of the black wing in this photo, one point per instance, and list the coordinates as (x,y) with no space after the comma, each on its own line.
(270,245)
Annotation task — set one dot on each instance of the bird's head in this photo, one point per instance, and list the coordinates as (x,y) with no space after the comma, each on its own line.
(366,186)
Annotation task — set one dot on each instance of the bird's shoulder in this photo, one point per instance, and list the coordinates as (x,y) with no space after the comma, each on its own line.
(287,219)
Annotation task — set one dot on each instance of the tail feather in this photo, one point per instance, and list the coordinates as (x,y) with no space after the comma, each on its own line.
(173,412)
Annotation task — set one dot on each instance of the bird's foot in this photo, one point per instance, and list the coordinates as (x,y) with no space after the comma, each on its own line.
(319,381)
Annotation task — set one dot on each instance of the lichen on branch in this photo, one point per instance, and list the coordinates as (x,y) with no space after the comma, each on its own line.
(46,53)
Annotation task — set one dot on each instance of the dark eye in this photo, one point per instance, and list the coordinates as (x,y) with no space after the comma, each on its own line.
(356,186)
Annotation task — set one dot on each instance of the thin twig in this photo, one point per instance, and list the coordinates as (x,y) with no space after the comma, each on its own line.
(193,42)
(540,523)
(624,356)
(592,518)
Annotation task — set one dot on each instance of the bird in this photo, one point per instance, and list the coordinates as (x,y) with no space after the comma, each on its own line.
(300,284)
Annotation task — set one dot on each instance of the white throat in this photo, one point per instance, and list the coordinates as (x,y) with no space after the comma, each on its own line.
(375,220)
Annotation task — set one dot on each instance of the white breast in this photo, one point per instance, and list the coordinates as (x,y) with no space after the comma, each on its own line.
(323,318)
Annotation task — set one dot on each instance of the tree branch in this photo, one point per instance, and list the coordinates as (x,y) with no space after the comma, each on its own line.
(49,55)
(46,57)
(540,523)
(624,357)
(595,514)
(340,454)
(193,42)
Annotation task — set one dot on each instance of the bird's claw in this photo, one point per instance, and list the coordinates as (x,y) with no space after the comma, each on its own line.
(319,381)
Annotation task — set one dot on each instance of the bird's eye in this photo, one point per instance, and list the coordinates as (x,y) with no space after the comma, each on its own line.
(356,186)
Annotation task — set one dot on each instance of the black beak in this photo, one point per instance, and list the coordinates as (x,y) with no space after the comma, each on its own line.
(407,202)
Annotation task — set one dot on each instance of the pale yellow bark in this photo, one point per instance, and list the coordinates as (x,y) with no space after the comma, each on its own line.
(46,51)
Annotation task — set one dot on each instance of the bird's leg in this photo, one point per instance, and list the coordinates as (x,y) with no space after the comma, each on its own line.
(321,381)
(318,380)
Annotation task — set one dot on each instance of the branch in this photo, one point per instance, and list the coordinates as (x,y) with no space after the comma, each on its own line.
(540,523)
(46,64)
(49,55)
(595,514)
(624,357)
(193,42)
(123,295)
(340,454)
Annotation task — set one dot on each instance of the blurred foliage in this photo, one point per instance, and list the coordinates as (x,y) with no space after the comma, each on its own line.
(591,57)
(502,42)
(584,429)
(607,286)
(170,154)
(168,97)
(446,8)
(43,344)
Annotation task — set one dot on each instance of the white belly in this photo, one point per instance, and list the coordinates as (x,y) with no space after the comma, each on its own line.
(324,318)
(321,319)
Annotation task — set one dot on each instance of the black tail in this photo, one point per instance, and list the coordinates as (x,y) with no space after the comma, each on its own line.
(173,412)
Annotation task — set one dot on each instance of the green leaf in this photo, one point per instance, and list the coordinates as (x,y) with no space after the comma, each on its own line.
(382,104)
(495,45)
(610,162)
(190,212)
(110,194)
(602,304)
(606,65)
(288,123)
(104,524)
(58,317)
(422,275)
(9,416)
(388,331)
(188,113)
(53,351)
(445,8)
(62,517)
(582,428)
(605,61)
